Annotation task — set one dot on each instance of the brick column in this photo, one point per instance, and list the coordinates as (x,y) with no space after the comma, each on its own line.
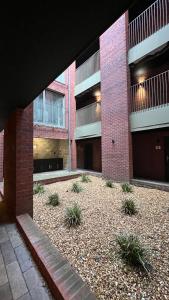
(18,162)
(72,73)
(116,157)
(1,154)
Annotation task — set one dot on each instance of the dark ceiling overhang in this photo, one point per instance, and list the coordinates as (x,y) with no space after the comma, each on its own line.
(40,40)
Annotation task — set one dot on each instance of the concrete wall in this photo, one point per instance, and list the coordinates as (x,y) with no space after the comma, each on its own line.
(87,83)
(88,131)
(50,148)
(156,117)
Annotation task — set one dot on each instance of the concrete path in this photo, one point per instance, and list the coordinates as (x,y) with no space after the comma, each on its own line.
(19,276)
(55,174)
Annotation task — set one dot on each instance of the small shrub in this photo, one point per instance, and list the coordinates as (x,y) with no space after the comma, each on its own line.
(109,184)
(85,178)
(127,188)
(129,207)
(132,251)
(38,188)
(73,215)
(76,188)
(54,200)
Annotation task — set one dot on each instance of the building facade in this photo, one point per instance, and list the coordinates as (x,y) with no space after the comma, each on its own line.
(109,111)
(130,68)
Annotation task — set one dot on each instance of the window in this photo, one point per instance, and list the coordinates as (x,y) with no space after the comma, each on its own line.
(38,109)
(61,78)
(49,109)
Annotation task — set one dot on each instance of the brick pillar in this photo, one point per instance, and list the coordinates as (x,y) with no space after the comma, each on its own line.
(72,71)
(18,162)
(1,154)
(116,157)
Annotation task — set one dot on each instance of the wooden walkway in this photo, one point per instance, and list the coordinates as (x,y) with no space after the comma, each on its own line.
(19,276)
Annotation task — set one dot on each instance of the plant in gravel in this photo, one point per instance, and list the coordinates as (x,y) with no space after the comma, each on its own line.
(129,207)
(54,199)
(38,188)
(73,215)
(85,178)
(76,188)
(127,188)
(132,251)
(109,184)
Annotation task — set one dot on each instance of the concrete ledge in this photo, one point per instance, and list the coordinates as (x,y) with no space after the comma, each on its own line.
(151,184)
(63,281)
(57,179)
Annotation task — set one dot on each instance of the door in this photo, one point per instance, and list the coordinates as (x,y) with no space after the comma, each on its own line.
(166,143)
(88,156)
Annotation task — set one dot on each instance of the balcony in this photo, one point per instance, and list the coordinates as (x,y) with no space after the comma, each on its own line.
(149,31)
(88,121)
(150,102)
(151,92)
(88,74)
(148,22)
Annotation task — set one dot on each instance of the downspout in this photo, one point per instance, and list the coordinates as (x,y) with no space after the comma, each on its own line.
(69,125)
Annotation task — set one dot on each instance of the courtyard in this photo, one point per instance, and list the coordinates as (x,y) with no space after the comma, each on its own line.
(92,248)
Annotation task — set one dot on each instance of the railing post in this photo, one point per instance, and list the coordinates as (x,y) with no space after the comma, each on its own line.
(149,21)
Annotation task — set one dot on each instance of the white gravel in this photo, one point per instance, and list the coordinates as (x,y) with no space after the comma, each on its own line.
(91,248)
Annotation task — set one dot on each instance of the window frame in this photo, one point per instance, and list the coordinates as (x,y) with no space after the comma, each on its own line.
(43,123)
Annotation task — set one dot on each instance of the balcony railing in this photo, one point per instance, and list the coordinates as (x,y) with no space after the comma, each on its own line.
(149,21)
(88,114)
(150,93)
(88,68)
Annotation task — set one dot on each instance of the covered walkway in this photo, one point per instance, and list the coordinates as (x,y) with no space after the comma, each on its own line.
(19,276)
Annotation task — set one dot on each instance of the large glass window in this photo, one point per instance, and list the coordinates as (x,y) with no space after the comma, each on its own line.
(49,109)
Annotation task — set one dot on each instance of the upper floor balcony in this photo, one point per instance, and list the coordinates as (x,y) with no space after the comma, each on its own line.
(150,103)
(88,74)
(148,22)
(88,121)
(88,114)
(149,30)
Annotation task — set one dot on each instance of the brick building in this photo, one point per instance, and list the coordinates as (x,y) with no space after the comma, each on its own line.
(109,111)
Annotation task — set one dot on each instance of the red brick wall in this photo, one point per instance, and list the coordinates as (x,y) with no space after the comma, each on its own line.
(72,116)
(1,154)
(116,158)
(18,162)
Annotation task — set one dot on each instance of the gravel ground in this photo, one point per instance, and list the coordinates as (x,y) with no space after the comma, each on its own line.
(91,248)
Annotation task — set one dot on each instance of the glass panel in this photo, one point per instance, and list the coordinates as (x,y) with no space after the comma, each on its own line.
(38,109)
(61,78)
(48,107)
(54,108)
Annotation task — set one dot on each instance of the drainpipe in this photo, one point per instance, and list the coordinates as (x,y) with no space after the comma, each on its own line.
(69,135)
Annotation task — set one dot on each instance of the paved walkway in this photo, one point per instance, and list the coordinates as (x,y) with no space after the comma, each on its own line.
(19,276)
(151,184)
(55,174)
